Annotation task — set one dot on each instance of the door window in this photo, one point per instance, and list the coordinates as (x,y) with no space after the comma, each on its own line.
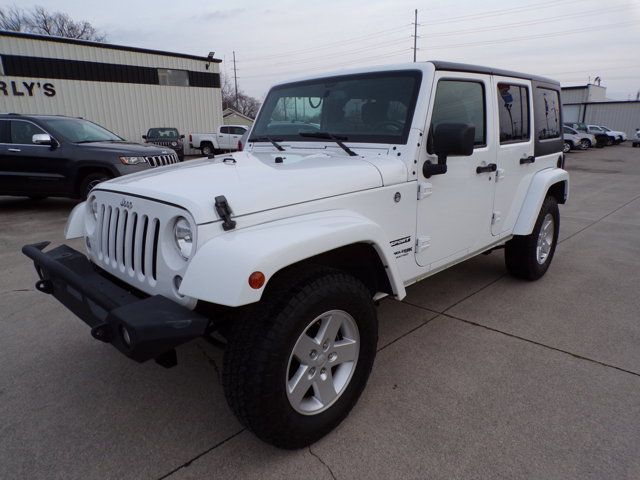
(4,131)
(238,130)
(460,101)
(225,130)
(547,113)
(513,113)
(22,132)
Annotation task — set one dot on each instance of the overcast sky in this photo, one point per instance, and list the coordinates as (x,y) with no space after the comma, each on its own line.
(569,40)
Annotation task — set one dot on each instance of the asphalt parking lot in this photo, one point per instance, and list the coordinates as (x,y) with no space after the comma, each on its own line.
(478,375)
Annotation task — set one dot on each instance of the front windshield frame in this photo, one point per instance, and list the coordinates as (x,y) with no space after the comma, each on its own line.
(107,135)
(264,117)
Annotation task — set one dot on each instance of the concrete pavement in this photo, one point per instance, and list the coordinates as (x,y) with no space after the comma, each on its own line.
(477,376)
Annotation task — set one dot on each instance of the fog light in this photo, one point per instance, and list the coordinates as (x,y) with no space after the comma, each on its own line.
(125,336)
(256,280)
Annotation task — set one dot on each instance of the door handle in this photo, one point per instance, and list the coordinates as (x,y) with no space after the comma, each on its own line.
(492,167)
(529,159)
(14,150)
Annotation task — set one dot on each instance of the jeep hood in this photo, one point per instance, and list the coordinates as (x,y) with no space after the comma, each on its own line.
(251,182)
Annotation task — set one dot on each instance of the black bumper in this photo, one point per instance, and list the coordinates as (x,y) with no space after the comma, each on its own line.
(154,325)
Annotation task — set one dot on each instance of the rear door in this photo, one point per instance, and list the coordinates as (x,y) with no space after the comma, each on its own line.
(224,138)
(454,218)
(514,105)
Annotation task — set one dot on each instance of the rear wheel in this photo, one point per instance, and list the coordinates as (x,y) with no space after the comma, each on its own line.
(566,148)
(609,141)
(585,144)
(92,180)
(296,365)
(529,256)
(207,149)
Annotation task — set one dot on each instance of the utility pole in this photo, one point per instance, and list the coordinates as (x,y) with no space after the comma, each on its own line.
(415,34)
(235,78)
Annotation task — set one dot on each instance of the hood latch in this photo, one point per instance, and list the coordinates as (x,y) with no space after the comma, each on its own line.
(224,211)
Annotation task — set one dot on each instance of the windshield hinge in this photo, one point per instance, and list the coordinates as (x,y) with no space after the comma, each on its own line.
(224,211)
(424,190)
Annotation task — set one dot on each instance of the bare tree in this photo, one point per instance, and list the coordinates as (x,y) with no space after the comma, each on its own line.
(43,22)
(245,104)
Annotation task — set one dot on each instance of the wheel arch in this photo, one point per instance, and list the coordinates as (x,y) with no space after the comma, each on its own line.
(553,182)
(88,169)
(341,239)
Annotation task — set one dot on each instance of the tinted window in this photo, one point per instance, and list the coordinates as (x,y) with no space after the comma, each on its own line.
(225,130)
(513,112)
(238,130)
(373,107)
(23,132)
(4,131)
(567,130)
(459,101)
(547,113)
(178,78)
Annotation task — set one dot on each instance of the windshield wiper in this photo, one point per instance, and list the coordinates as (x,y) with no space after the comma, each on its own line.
(273,142)
(328,136)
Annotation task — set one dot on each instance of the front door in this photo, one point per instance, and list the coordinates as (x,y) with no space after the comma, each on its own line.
(454,213)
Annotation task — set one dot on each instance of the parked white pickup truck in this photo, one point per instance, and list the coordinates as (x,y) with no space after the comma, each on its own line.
(224,140)
(352,187)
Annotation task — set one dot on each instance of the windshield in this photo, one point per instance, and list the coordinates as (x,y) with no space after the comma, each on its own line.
(77,130)
(170,133)
(372,108)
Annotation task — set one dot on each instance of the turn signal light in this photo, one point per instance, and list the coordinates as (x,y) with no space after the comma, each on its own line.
(256,280)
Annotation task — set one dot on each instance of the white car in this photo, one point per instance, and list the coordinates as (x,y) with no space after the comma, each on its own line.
(353,186)
(573,139)
(224,140)
(620,136)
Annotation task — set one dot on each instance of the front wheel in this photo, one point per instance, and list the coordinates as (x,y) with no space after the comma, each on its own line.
(585,144)
(529,256)
(566,148)
(91,181)
(296,365)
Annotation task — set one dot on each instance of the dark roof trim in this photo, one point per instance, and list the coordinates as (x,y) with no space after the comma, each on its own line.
(463,67)
(576,87)
(602,103)
(45,38)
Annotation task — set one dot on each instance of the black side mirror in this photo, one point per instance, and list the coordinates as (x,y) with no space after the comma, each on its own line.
(144,137)
(181,136)
(450,139)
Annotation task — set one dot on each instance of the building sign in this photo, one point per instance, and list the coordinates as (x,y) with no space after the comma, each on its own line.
(26,89)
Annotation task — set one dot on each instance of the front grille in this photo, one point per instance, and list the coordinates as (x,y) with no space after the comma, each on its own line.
(128,241)
(160,160)
(164,143)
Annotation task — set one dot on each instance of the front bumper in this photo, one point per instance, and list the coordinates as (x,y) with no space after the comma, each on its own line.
(153,325)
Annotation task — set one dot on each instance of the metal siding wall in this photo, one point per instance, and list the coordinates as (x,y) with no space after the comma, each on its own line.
(127,109)
(573,95)
(617,116)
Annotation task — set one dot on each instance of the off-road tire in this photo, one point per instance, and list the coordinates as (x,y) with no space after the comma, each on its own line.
(91,181)
(260,344)
(520,252)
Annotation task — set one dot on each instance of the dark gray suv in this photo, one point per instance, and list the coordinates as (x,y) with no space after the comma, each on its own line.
(43,155)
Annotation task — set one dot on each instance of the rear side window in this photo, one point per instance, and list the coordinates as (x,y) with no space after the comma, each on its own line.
(513,112)
(224,130)
(4,131)
(238,130)
(460,101)
(22,132)
(547,113)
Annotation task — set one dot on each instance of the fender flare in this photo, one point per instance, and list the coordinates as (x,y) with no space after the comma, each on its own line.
(540,185)
(75,227)
(220,269)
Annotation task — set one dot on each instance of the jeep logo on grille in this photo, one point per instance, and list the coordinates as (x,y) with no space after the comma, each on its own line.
(126,203)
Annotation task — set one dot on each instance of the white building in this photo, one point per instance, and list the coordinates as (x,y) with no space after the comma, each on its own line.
(125,89)
(589,104)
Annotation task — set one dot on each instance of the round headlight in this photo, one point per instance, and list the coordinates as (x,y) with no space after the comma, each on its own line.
(183,237)
(93,206)
(174,144)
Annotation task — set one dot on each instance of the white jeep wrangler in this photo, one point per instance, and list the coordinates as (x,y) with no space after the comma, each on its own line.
(353,186)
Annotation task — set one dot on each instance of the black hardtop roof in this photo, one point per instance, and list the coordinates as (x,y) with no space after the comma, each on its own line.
(47,38)
(464,67)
